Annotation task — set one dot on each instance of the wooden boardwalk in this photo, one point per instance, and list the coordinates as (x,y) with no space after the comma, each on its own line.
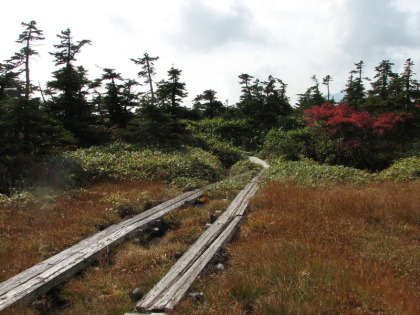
(42,277)
(173,286)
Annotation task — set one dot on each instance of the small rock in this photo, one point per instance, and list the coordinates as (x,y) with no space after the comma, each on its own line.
(219,267)
(156,231)
(213,218)
(136,294)
(178,255)
(196,296)
(102,226)
(159,224)
(218,212)
(38,305)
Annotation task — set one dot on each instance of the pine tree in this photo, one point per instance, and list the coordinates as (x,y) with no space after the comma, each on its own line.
(147,72)
(409,84)
(69,89)
(22,58)
(326,81)
(355,90)
(312,97)
(208,104)
(171,92)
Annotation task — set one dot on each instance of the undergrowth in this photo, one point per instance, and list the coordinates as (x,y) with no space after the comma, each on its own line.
(341,250)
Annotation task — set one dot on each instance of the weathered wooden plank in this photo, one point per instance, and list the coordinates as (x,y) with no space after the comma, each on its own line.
(177,291)
(42,277)
(174,284)
(194,251)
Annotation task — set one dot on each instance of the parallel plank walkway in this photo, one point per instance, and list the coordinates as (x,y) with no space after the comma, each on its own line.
(166,294)
(42,277)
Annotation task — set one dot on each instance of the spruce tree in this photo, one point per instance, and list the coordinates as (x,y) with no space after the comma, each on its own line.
(20,60)
(171,92)
(147,72)
(69,90)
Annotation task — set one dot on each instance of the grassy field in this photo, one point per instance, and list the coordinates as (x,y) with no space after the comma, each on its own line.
(317,239)
(343,250)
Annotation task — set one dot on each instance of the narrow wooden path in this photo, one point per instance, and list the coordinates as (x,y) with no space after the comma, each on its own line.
(42,277)
(166,294)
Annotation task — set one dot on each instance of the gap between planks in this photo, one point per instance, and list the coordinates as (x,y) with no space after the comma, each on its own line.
(166,294)
(41,278)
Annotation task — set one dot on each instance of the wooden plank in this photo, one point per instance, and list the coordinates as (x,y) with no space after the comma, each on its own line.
(41,278)
(176,282)
(177,291)
(194,251)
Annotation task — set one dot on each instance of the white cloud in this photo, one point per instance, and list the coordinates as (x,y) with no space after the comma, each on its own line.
(213,41)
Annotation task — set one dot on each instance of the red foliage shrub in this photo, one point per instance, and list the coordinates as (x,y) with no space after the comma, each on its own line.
(344,118)
(358,135)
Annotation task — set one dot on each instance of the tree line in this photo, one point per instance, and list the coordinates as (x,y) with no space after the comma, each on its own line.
(73,110)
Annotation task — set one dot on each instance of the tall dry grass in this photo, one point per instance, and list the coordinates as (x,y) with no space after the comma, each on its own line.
(36,227)
(344,250)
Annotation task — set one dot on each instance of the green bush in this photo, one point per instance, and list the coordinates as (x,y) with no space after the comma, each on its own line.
(402,170)
(291,144)
(312,174)
(243,167)
(226,153)
(124,161)
(235,131)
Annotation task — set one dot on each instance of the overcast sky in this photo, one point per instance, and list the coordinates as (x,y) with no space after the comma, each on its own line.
(214,41)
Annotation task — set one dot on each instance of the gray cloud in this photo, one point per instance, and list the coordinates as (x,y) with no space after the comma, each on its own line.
(122,24)
(370,27)
(204,28)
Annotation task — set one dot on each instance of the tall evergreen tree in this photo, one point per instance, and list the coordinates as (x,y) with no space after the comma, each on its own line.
(171,92)
(355,93)
(21,59)
(263,103)
(147,72)
(383,76)
(69,89)
(409,84)
(119,98)
(326,81)
(312,97)
(208,104)
(245,82)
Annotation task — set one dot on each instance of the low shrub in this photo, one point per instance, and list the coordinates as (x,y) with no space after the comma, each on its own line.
(402,170)
(291,145)
(124,161)
(310,173)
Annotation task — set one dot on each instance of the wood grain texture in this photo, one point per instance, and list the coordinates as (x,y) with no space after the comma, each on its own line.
(165,295)
(42,277)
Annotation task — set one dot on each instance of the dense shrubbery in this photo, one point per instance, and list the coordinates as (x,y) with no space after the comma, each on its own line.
(124,161)
(291,145)
(402,170)
(310,173)
(234,131)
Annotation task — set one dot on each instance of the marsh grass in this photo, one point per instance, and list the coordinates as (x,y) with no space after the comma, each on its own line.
(36,226)
(343,250)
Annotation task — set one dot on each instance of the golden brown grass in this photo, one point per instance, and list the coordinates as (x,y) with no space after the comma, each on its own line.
(309,251)
(301,251)
(104,288)
(35,228)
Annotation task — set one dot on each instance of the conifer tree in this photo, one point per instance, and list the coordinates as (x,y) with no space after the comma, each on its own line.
(208,104)
(69,89)
(147,72)
(21,59)
(355,93)
(312,97)
(326,81)
(171,92)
